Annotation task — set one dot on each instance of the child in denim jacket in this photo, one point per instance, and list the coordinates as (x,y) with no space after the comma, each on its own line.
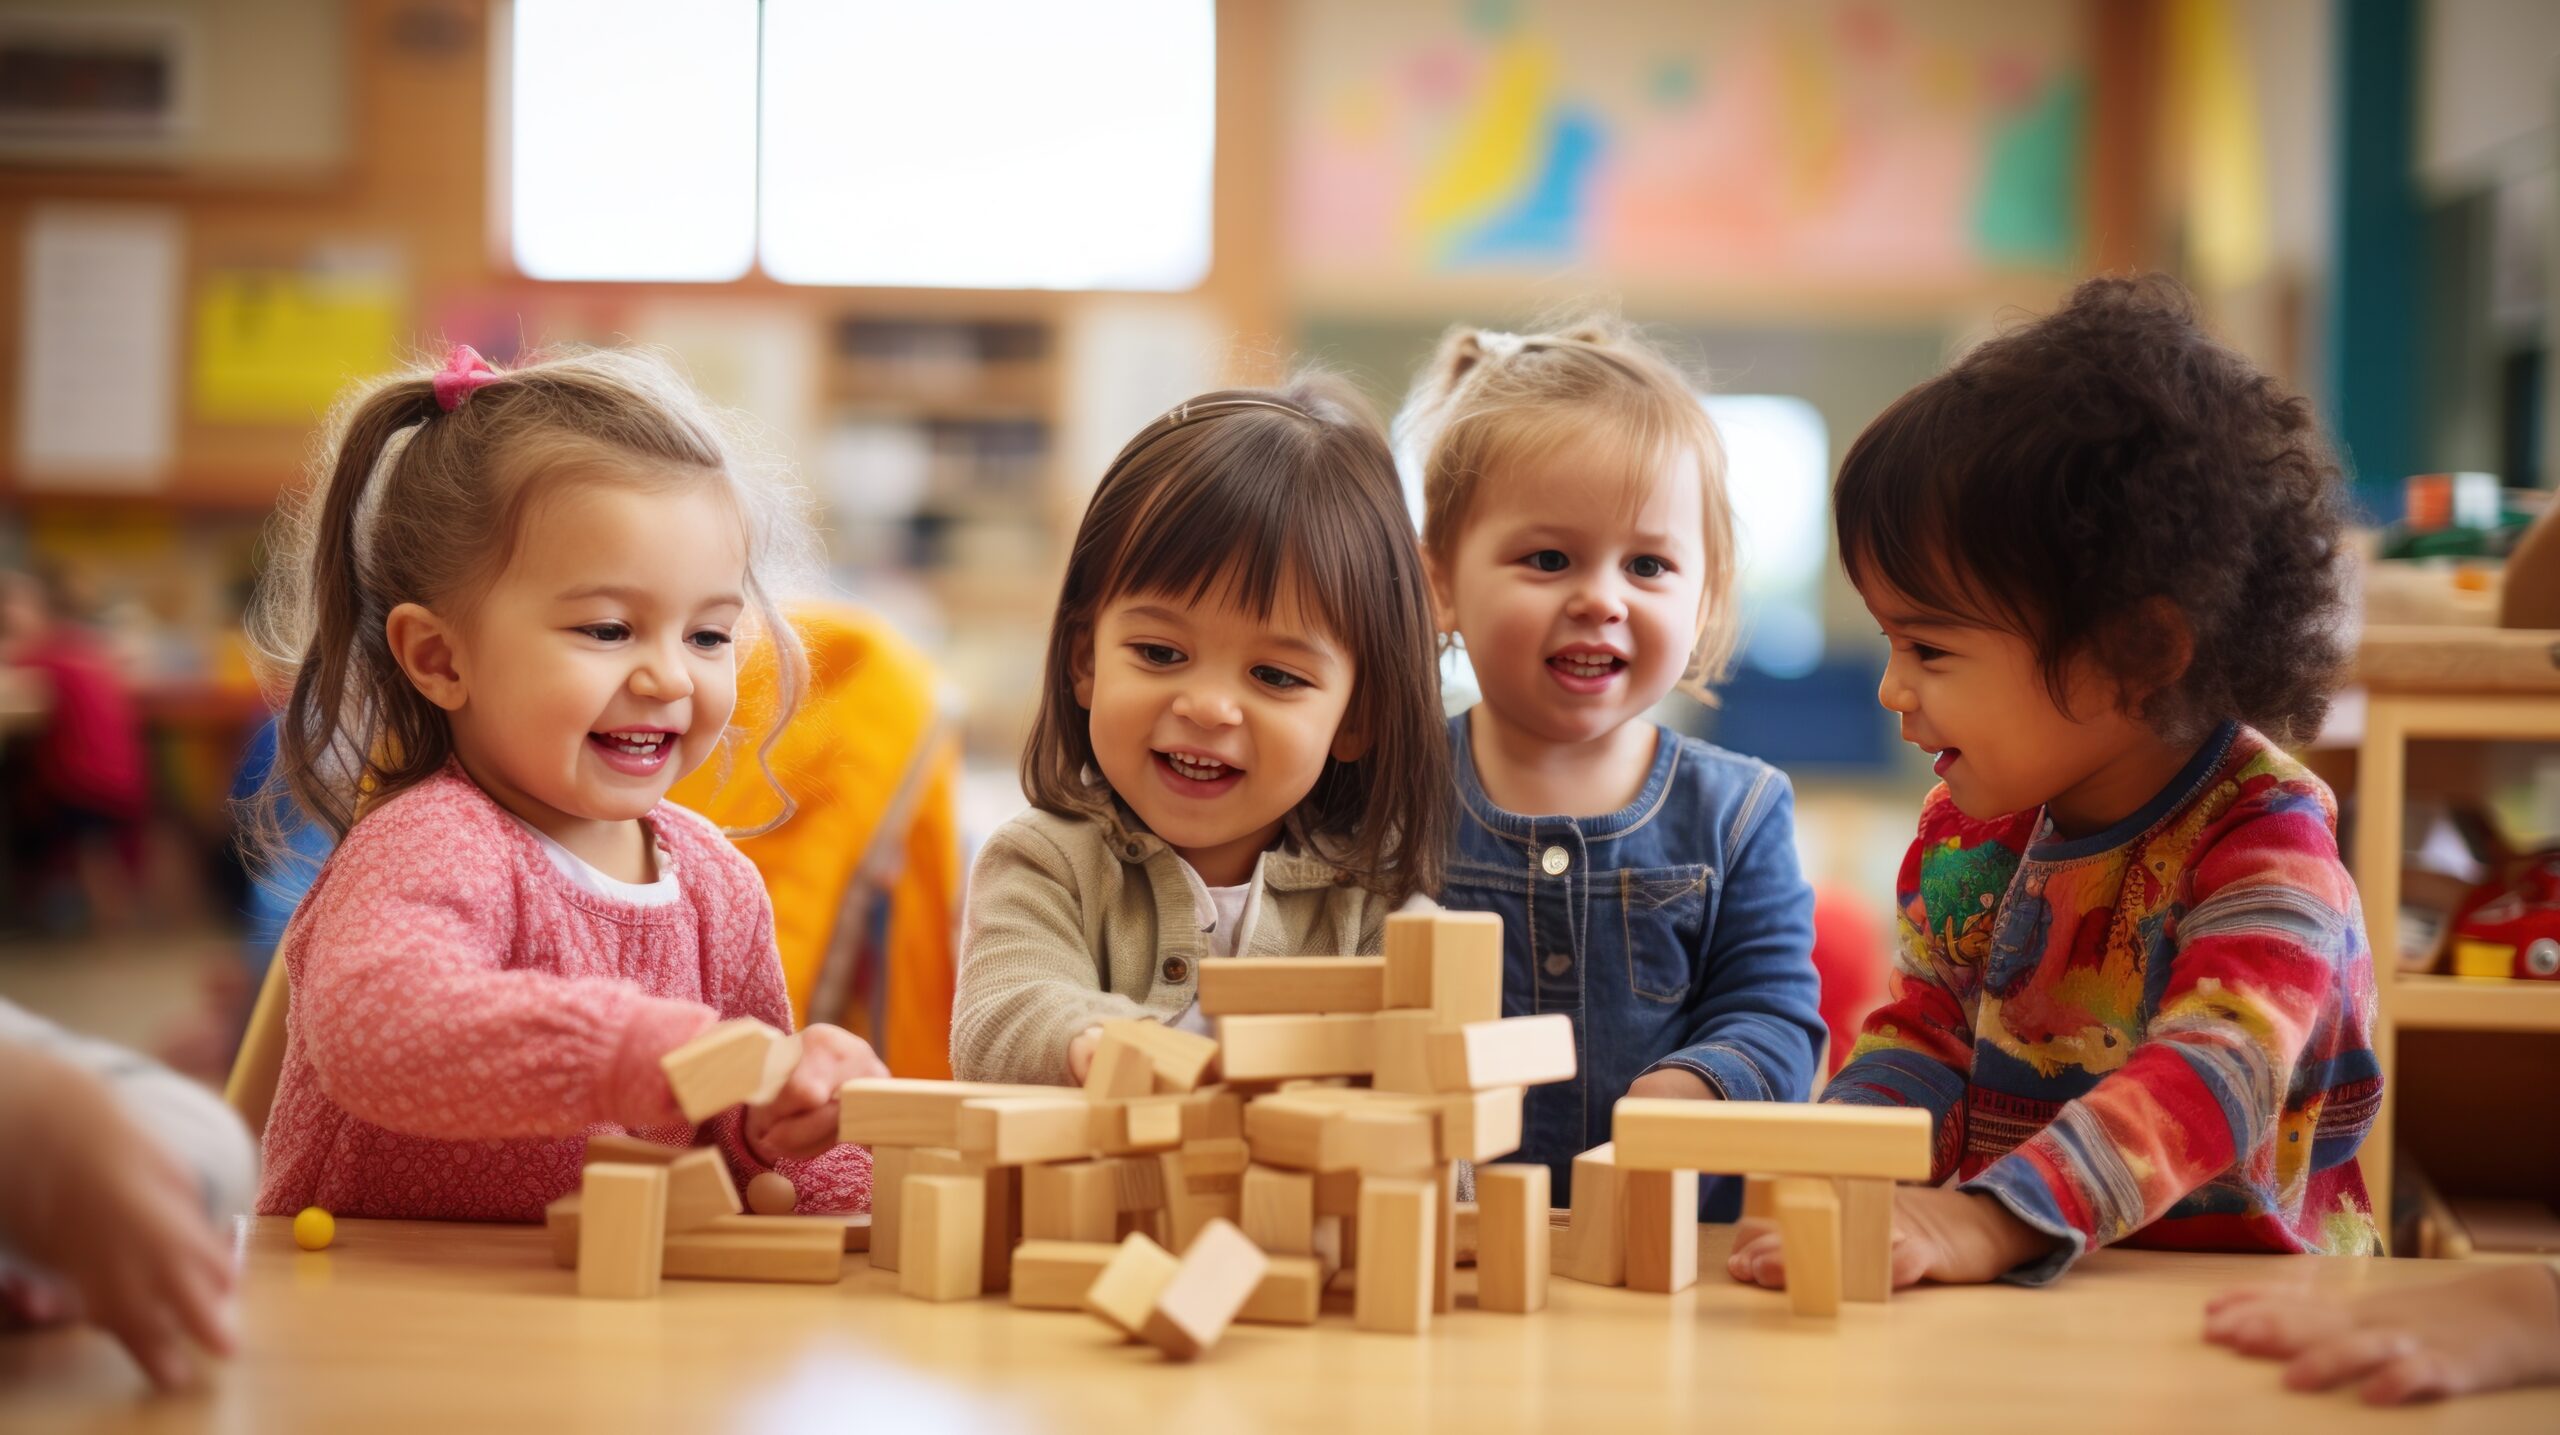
(1580,548)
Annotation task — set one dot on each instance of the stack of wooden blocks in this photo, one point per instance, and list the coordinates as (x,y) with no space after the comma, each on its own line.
(1169,1205)
(645,1211)
(1825,1173)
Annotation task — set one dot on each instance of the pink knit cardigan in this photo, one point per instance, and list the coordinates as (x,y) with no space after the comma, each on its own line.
(464,1016)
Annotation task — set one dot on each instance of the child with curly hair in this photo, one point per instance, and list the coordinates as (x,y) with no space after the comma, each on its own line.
(2132,985)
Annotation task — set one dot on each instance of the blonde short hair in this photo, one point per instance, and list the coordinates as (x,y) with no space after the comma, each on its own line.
(1490,402)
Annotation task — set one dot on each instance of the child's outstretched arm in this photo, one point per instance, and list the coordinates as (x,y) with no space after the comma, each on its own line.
(1754,1020)
(1029,981)
(2486,1331)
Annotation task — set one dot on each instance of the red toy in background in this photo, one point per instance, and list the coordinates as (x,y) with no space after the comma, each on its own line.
(2509,926)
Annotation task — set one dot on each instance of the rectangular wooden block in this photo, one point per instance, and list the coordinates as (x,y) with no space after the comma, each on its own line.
(1002,1205)
(629,1149)
(806,1249)
(1512,1238)
(1072,1201)
(906,1111)
(1470,1219)
(1246,986)
(560,1220)
(1397,1231)
(1291,1293)
(1130,1126)
(1124,1295)
(779,1060)
(1866,1239)
(1212,1113)
(1287,1130)
(1214,1158)
(1276,1048)
(1759,1198)
(1661,1230)
(944,1224)
(890,1166)
(857,1229)
(700,1190)
(1444,1246)
(1217,1276)
(622,1228)
(1280,1210)
(1773,1137)
(721,1068)
(1809,1225)
(1054,1275)
(1403,1051)
(1181,1058)
(1140,1182)
(1337,1193)
(1449,962)
(1190,1205)
(1380,1140)
(1480,1125)
(1599,1233)
(1018,1130)
(1520,1051)
(1121,1068)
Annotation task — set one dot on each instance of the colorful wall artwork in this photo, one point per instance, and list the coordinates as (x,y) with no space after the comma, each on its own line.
(1752,141)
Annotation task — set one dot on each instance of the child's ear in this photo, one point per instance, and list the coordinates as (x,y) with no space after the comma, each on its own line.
(1080,666)
(423,645)
(1350,741)
(1444,596)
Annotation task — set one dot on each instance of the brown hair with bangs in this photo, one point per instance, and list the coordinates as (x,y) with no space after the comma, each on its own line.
(2064,480)
(1492,402)
(1227,498)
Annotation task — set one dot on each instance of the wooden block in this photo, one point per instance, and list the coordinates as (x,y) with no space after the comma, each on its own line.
(1337,1193)
(721,1068)
(1190,1207)
(1124,1295)
(1449,962)
(1181,1057)
(1291,1292)
(944,1224)
(890,1166)
(1142,1124)
(630,1150)
(1218,1157)
(1866,1239)
(1003,1208)
(1121,1068)
(806,1249)
(1397,1232)
(1403,1051)
(1332,1239)
(1054,1275)
(1275,1048)
(857,1228)
(1211,1113)
(1513,1238)
(1289,1131)
(1074,1201)
(700,1190)
(1217,1276)
(622,1229)
(1019,1130)
(1246,986)
(1809,1224)
(1599,1236)
(560,1219)
(780,1059)
(1776,1137)
(1469,1232)
(1480,1125)
(1384,1141)
(770,1193)
(904,1111)
(1444,1272)
(1759,1198)
(1140,1181)
(1523,1051)
(1661,1230)
(1280,1210)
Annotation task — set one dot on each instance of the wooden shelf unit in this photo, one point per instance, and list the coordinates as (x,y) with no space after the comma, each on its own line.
(2421,683)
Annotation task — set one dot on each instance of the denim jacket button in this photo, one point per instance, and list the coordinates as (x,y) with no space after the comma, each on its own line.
(1554,861)
(1557,964)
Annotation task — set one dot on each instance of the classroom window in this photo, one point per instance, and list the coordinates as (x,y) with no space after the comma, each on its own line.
(633,138)
(995,144)
(1002,144)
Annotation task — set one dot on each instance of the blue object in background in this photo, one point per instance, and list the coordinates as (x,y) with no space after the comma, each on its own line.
(1826,718)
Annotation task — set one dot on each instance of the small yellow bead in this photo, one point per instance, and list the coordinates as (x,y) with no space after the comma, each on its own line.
(314,1229)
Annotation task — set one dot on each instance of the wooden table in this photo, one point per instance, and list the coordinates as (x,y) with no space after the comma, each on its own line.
(414,1326)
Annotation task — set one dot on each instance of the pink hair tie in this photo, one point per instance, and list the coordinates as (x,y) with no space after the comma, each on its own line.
(464,370)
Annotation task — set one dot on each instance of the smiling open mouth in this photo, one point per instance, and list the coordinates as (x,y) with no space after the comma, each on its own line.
(1198,769)
(633,751)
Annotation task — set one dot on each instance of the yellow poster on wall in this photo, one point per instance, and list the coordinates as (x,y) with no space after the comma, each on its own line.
(276,346)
